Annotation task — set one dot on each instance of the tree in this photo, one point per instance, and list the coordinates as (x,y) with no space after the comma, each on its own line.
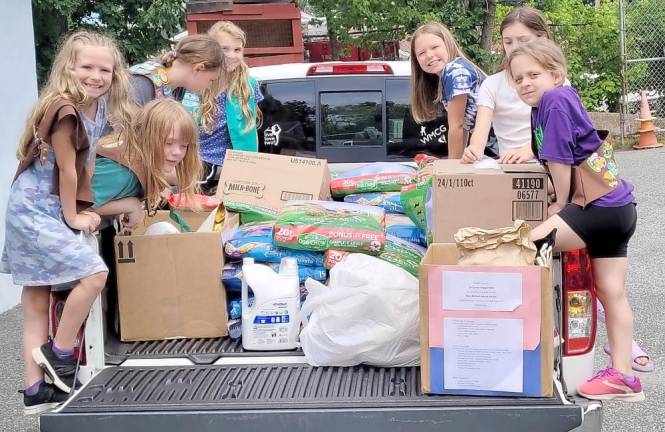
(141,27)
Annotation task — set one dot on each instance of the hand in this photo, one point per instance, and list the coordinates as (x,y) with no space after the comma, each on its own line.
(515,156)
(472,154)
(166,193)
(85,222)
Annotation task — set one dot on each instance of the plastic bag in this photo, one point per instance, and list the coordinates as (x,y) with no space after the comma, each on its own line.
(389,201)
(368,314)
(375,177)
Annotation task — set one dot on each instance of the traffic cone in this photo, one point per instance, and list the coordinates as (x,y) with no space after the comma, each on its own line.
(647,139)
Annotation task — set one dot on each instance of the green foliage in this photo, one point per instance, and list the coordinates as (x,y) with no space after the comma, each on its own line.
(141,27)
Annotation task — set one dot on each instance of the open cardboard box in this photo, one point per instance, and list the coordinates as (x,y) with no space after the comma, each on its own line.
(169,286)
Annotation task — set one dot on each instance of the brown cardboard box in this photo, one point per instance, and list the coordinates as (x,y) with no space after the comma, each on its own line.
(464,196)
(169,286)
(270,180)
(445,254)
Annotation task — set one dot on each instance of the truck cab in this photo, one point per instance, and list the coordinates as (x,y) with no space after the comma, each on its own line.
(347,113)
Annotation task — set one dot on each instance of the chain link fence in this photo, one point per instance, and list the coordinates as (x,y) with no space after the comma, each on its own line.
(643,62)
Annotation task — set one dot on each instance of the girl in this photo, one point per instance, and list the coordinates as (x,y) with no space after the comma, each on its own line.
(52,184)
(162,142)
(441,73)
(237,115)
(594,208)
(498,103)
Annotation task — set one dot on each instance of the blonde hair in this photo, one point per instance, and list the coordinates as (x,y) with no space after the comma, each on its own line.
(62,83)
(545,52)
(531,18)
(150,131)
(237,80)
(202,49)
(426,91)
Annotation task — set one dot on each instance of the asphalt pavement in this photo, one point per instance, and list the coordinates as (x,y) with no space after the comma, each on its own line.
(646,278)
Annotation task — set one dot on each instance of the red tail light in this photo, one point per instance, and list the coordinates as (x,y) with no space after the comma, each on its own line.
(579,303)
(350,68)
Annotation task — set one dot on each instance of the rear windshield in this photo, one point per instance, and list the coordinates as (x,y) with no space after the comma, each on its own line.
(351,119)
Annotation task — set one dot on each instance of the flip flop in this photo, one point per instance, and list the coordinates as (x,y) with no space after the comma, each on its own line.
(636,352)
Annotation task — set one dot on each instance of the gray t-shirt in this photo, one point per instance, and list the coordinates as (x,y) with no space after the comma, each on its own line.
(142,89)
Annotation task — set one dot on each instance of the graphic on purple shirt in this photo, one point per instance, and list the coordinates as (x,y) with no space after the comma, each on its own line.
(564,133)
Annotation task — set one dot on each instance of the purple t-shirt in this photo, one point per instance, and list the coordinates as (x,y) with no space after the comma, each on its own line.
(565,134)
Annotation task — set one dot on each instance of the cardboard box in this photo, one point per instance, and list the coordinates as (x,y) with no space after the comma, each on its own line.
(270,180)
(169,286)
(464,196)
(538,344)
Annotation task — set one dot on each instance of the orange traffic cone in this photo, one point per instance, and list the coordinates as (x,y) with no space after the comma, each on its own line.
(647,130)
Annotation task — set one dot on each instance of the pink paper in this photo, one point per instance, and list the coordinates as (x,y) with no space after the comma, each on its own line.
(529,310)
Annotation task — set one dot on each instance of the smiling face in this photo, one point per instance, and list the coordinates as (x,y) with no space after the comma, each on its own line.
(515,35)
(532,80)
(233,49)
(175,150)
(94,70)
(431,53)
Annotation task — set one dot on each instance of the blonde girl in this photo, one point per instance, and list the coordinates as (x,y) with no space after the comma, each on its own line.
(43,249)
(441,73)
(237,115)
(499,106)
(594,207)
(131,172)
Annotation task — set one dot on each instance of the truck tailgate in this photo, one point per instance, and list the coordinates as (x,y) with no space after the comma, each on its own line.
(292,397)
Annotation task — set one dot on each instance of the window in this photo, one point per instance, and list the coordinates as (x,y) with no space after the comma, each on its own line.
(351,119)
(289,118)
(406,138)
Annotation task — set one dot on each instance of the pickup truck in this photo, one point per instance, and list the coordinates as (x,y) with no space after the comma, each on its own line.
(351,112)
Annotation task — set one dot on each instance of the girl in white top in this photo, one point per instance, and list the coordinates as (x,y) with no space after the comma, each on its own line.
(498,102)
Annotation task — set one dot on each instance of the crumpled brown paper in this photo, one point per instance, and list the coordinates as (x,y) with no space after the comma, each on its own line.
(508,246)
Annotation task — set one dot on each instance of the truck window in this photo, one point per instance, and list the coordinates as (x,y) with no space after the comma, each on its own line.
(351,119)
(289,119)
(406,138)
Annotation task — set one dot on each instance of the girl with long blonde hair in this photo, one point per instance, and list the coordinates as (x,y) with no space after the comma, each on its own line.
(46,210)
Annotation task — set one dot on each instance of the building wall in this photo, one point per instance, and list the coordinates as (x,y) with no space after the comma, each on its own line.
(18,93)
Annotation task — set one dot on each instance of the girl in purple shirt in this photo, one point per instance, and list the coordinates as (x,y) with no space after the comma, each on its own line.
(594,208)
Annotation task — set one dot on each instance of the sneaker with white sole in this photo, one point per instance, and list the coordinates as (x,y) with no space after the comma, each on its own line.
(47,398)
(62,372)
(610,384)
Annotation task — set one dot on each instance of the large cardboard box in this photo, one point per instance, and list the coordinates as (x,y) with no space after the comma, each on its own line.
(464,196)
(533,312)
(270,180)
(169,286)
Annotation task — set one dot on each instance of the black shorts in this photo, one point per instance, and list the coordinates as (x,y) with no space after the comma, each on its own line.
(604,230)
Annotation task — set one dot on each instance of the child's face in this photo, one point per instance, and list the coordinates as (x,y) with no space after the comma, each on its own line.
(515,35)
(532,80)
(94,70)
(431,53)
(201,78)
(233,50)
(174,150)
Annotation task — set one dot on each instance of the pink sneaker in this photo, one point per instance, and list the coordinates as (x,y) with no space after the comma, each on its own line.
(610,384)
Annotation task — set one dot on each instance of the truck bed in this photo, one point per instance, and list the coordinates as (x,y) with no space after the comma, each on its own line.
(292,397)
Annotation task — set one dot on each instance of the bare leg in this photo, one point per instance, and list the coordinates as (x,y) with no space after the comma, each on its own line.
(610,277)
(35,303)
(566,238)
(76,309)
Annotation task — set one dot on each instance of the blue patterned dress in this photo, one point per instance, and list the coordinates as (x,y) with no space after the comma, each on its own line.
(40,248)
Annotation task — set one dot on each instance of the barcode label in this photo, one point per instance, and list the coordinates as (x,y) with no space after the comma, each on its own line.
(528,210)
(286,196)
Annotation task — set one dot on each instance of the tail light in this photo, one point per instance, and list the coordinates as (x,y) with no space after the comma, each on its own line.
(350,69)
(579,303)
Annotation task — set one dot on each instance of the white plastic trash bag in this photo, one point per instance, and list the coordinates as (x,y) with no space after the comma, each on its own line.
(368,314)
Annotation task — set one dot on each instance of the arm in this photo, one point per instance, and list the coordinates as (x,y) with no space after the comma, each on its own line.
(561,177)
(119,206)
(456,132)
(517,155)
(476,147)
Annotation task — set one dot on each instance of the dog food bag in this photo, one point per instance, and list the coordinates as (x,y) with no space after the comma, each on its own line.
(321,225)
(389,201)
(376,177)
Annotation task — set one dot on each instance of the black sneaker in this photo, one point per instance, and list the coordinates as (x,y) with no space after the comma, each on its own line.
(60,371)
(47,398)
